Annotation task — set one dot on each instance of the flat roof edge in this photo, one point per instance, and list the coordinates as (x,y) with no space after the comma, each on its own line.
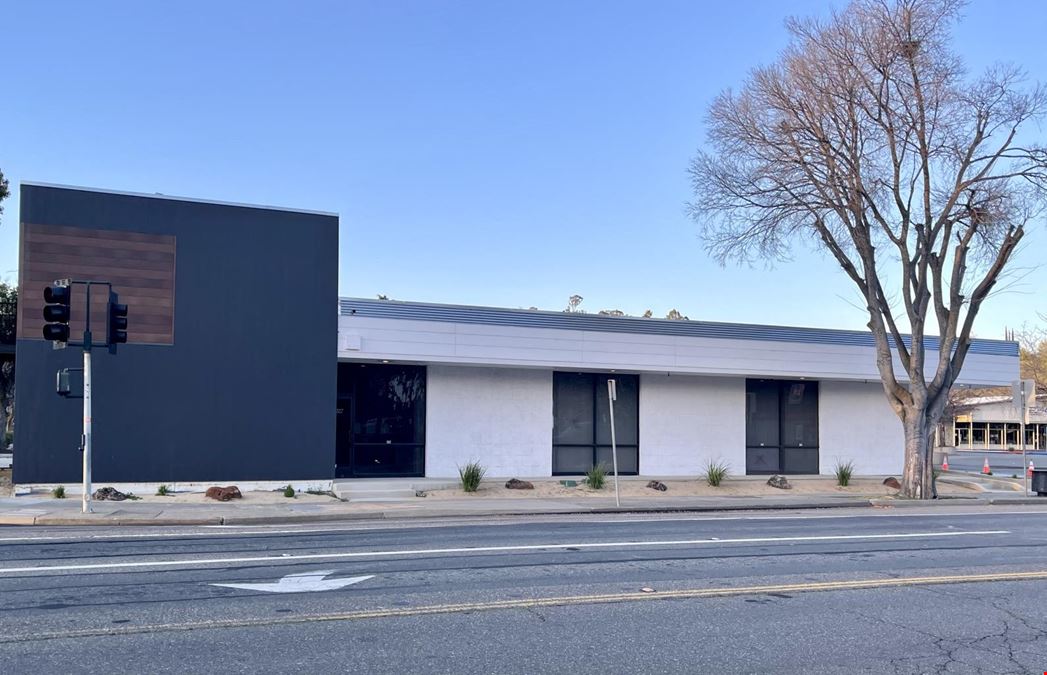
(424,311)
(176,198)
(553,312)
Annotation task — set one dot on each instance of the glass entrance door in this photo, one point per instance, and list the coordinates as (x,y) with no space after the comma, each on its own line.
(381,421)
(781,427)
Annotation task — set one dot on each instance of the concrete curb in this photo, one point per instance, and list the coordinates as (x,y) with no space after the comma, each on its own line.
(608,510)
(937,503)
(101,520)
(292,520)
(82,520)
(92,519)
(1018,501)
(982,500)
(18,520)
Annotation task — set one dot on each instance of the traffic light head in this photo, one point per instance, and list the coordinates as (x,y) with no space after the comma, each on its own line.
(56,313)
(116,331)
(56,332)
(58,295)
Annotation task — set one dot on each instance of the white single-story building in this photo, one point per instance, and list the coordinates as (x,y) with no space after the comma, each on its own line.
(426,388)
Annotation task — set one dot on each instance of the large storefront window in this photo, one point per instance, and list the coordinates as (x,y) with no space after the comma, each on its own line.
(381,420)
(582,425)
(998,435)
(781,427)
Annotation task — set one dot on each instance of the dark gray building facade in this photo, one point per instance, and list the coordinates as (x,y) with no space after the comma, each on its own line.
(230,368)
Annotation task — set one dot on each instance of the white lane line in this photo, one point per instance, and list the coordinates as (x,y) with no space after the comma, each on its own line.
(824,517)
(490,549)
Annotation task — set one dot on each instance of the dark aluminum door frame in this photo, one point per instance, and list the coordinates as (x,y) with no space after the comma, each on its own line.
(778,456)
(343,458)
(351,452)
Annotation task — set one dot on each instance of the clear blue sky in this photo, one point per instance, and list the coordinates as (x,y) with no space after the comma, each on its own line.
(501,153)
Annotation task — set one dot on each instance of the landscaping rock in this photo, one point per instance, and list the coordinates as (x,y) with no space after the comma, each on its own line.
(780,482)
(109,494)
(224,494)
(892,482)
(517,484)
(658,485)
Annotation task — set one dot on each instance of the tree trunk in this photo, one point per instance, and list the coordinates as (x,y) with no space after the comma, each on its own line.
(918,474)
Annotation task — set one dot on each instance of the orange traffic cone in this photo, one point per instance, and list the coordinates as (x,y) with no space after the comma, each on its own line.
(945,462)
(985,467)
(1030,470)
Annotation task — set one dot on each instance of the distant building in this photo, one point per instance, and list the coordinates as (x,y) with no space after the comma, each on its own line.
(993,423)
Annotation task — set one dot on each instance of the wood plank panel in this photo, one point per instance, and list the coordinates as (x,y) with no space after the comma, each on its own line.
(140,266)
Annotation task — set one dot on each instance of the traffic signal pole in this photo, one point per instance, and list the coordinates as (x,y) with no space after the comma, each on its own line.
(57,315)
(85,506)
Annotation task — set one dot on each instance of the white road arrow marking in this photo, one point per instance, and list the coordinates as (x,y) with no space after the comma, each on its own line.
(304,582)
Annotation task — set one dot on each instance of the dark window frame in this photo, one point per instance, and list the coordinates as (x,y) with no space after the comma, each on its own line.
(781,388)
(597,380)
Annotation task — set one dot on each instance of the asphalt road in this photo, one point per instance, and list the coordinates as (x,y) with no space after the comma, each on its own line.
(954,589)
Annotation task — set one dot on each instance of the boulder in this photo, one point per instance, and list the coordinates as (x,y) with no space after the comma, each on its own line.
(780,482)
(224,494)
(892,482)
(658,485)
(517,484)
(109,494)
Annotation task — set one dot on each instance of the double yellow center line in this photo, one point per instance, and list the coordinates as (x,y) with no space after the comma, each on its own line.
(561,601)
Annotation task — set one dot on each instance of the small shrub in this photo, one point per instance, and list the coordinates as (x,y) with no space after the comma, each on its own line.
(58,492)
(289,491)
(132,497)
(844,471)
(596,476)
(163,491)
(470,475)
(715,472)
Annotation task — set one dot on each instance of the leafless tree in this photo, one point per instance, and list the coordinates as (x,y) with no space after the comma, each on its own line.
(869,138)
(1032,343)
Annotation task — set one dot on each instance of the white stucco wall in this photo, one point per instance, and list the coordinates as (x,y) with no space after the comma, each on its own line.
(503,417)
(500,417)
(687,420)
(856,423)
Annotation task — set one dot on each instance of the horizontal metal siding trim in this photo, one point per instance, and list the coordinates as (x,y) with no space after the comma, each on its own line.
(388,309)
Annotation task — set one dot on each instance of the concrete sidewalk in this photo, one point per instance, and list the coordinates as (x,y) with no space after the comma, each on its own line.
(38,510)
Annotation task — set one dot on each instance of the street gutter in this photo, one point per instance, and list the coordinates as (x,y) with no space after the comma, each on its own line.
(97,519)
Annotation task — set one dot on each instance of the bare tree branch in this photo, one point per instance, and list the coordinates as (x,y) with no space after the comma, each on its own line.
(868,137)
